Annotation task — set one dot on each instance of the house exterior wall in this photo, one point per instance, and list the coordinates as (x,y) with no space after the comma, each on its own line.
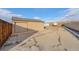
(20,27)
(23,26)
(36,25)
(73,25)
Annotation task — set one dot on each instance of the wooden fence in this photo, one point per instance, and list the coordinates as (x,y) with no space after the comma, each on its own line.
(5,31)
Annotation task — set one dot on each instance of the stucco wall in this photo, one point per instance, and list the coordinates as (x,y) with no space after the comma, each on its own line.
(36,26)
(22,26)
(73,25)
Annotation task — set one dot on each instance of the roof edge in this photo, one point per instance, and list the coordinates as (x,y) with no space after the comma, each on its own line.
(25,19)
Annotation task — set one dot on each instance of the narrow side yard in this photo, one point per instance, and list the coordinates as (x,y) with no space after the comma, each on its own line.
(55,39)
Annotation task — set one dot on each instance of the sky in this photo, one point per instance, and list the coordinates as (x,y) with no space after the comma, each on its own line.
(45,14)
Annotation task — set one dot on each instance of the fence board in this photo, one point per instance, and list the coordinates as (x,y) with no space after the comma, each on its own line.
(5,31)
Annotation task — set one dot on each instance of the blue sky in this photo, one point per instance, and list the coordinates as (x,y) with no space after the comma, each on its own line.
(42,13)
(38,12)
(46,14)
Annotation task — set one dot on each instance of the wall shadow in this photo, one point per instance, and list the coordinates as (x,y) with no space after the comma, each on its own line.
(72,31)
(20,35)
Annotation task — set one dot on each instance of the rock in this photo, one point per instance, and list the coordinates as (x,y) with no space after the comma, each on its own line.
(34,48)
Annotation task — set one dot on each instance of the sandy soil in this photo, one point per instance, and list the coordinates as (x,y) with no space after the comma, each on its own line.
(54,39)
(15,39)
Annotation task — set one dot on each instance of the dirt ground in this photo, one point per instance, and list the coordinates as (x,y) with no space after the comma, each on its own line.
(53,39)
(15,39)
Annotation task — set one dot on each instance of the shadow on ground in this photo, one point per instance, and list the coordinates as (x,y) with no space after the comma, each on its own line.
(20,35)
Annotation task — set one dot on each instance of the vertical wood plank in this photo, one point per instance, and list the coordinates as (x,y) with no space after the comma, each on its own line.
(5,31)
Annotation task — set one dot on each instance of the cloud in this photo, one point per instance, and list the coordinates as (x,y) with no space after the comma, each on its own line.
(71,14)
(36,17)
(48,19)
(73,11)
(7,15)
